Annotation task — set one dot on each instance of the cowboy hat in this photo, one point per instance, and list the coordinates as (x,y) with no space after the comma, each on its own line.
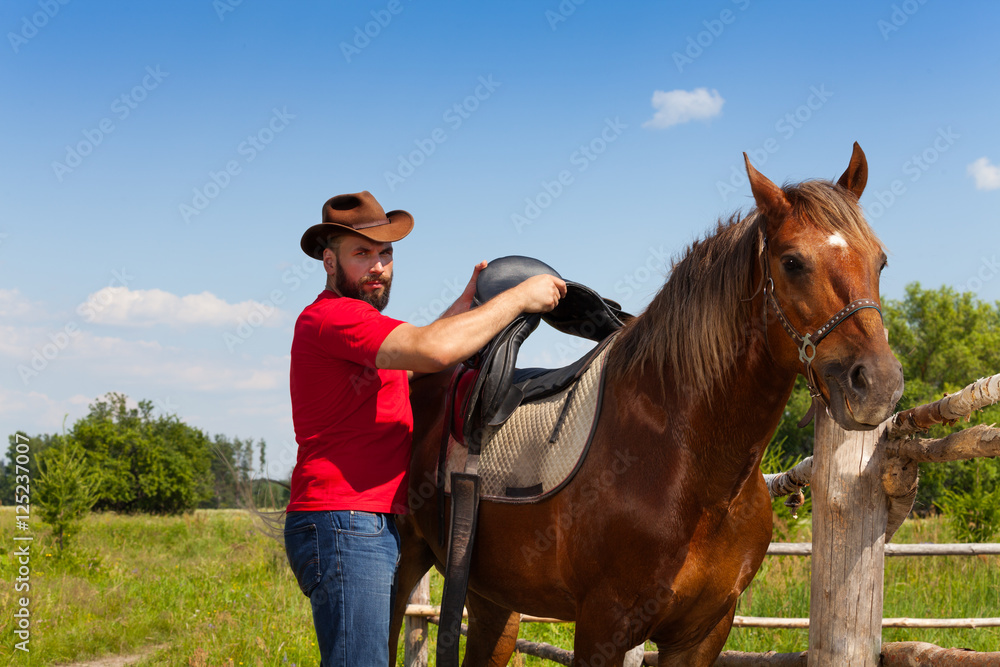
(359,213)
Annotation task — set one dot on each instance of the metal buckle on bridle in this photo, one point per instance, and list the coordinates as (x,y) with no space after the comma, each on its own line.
(804,351)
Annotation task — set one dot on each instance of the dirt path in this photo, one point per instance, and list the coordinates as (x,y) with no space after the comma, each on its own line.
(117,660)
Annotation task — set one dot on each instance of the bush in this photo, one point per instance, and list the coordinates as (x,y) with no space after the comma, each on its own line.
(973,516)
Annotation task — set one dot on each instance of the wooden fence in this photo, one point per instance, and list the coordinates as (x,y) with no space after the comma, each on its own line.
(420,613)
(863,487)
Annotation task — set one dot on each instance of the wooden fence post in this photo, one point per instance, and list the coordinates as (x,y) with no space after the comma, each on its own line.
(849,519)
(634,657)
(415,633)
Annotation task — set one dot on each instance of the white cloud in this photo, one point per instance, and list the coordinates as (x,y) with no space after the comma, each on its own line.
(14,305)
(987,175)
(168,368)
(680,106)
(120,305)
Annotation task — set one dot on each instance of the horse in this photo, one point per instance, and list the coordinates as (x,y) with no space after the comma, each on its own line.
(668,518)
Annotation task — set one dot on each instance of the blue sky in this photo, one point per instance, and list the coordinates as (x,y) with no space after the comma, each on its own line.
(161,161)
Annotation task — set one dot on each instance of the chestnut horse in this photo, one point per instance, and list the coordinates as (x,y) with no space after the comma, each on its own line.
(668,518)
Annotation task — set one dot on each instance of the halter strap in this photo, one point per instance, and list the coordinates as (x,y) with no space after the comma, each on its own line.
(807,343)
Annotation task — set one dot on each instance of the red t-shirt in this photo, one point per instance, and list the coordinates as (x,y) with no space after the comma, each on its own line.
(353,423)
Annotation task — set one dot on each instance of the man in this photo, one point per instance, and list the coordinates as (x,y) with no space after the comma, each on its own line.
(353,425)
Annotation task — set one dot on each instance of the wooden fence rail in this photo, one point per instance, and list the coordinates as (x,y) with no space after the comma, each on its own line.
(980,549)
(432,612)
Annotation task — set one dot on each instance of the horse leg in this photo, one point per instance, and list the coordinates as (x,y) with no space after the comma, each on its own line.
(705,653)
(602,634)
(492,633)
(415,559)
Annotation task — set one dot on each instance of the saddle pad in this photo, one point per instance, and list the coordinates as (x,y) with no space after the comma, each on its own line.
(540,446)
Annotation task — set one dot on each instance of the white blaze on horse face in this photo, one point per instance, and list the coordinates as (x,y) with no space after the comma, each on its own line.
(837,240)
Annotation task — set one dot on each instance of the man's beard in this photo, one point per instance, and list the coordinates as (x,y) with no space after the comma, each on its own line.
(378,299)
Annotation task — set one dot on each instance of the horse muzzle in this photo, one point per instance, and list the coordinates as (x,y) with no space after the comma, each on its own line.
(864,393)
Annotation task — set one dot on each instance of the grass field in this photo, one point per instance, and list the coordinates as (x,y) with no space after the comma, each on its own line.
(208,589)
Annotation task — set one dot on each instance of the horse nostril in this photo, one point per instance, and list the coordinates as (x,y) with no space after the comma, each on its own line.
(859,379)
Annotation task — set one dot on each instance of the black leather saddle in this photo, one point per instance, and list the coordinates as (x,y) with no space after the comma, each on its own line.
(501,387)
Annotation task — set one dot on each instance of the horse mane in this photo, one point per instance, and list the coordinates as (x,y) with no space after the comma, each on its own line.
(699,322)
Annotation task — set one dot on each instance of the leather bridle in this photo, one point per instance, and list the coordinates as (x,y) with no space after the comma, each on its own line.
(807,344)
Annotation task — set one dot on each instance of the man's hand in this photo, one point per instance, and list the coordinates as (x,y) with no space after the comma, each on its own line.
(540,294)
(464,302)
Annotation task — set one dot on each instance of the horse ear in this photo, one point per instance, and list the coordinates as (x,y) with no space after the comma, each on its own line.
(771,200)
(856,176)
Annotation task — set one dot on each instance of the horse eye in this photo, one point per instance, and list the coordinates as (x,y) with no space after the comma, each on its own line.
(885,263)
(791,264)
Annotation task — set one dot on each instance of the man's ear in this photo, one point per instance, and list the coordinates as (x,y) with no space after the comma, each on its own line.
(329,261)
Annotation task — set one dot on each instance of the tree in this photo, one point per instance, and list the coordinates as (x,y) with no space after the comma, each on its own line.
(65,489)
(231,467)
(152,464)
(147,464)
(945,340)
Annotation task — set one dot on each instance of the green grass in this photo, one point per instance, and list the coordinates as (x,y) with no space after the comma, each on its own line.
(208,589)
(206,585)
(915,587)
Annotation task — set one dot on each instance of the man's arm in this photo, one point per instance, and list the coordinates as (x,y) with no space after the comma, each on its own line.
(449,340)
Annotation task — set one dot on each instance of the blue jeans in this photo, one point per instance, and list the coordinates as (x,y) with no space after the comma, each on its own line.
(345,562)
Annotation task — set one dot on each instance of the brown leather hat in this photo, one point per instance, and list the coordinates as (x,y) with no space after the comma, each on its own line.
(358,213)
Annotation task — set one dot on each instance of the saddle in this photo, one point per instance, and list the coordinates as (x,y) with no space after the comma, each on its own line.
(499,387)
(492,389)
